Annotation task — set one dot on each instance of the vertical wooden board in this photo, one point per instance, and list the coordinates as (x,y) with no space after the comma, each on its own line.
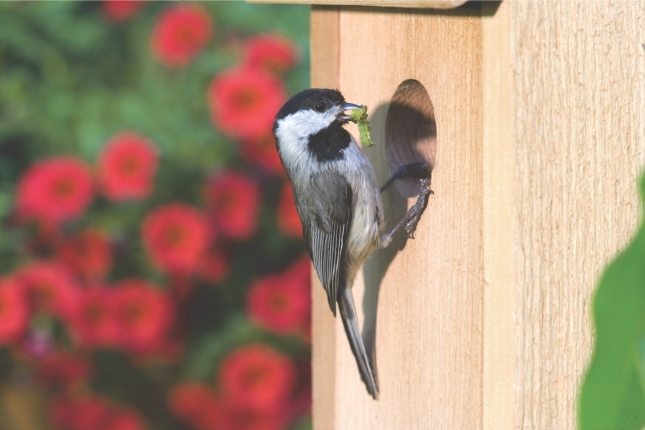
(580,138)
(499,226)
(429,329)
(325,55)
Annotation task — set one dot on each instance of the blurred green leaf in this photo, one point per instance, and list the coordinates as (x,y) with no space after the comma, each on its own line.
(613,392)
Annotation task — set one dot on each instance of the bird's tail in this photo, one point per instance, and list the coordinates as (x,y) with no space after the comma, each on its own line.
(350,322)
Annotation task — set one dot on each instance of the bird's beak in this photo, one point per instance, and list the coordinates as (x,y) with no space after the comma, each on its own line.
(342,116)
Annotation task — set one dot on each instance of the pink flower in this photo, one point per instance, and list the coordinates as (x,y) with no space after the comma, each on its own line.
(93,413)
(50,288)
(93,321)
(262,152)
(281,304)
(196,404)
(288,217)
(244,102)
(14,312)
(270,52)
(257,376)
(63,367)
(144,315)
(120,10)
(87,253)
(57,189)
(233,200)
(127,167)
(181,32)
(176,237)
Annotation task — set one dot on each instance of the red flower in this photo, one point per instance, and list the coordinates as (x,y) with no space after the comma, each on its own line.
(281,304)
(50,288)
(244,102)
(144,315)
(120,10)
(127,166)
(180,34)
(92,413)
(62,367)
(270,52)
(214,266)
(88,254)
(300,272)
(94,321)
(57,190)
(262,151)
(123,420)
(258,376)
(14,311)
(195,403)
(82,414)
(233,201)
(288,217)
(176,237)
(240,416)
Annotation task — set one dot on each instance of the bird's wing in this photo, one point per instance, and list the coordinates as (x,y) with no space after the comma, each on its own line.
(326,225)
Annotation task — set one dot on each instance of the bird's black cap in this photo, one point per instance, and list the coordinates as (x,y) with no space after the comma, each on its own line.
(308,98)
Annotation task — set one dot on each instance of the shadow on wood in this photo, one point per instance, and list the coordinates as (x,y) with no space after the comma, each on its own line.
(411,137)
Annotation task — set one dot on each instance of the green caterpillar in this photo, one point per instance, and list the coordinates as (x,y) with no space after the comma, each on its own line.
(359,116)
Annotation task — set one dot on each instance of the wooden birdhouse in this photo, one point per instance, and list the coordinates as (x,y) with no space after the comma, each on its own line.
(533,115)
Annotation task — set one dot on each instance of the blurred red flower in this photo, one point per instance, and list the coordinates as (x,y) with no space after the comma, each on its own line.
(270,52)
(57,189)
(180,34)
(81,414)
(87,253)
(262,152)
(123,420)
(93,321)
(288,217)
(233,200)
(257,376)
(126,167)
(176,236)
(62,367)
(14,311)
(281,304)
(244,101)
(240,416)
(92,413)
(196,404)
(120,10)
(50,288)
(214,266)
(144,314)
(300,271)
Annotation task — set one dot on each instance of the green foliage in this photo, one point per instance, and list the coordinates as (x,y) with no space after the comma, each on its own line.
(613,393)
(69,81)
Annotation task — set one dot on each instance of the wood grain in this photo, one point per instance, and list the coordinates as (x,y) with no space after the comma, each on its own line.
(428,340)
(325,56)
(483,321)
(579,77)
(432,4)
(499,225)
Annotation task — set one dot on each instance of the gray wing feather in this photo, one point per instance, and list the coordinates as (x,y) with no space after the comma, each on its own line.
(326,219)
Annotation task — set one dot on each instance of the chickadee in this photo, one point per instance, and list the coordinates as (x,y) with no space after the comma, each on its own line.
(338,200)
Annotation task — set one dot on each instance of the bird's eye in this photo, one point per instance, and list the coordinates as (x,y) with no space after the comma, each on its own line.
(319,106)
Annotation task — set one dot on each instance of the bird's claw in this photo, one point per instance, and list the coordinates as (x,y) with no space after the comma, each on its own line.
(417,209)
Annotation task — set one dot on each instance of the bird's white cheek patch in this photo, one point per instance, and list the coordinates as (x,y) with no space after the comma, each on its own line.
(294,130)
(304,123)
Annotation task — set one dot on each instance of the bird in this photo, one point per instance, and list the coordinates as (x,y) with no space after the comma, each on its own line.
(338,200)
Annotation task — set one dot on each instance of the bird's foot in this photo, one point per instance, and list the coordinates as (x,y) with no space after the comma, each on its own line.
(417,209)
